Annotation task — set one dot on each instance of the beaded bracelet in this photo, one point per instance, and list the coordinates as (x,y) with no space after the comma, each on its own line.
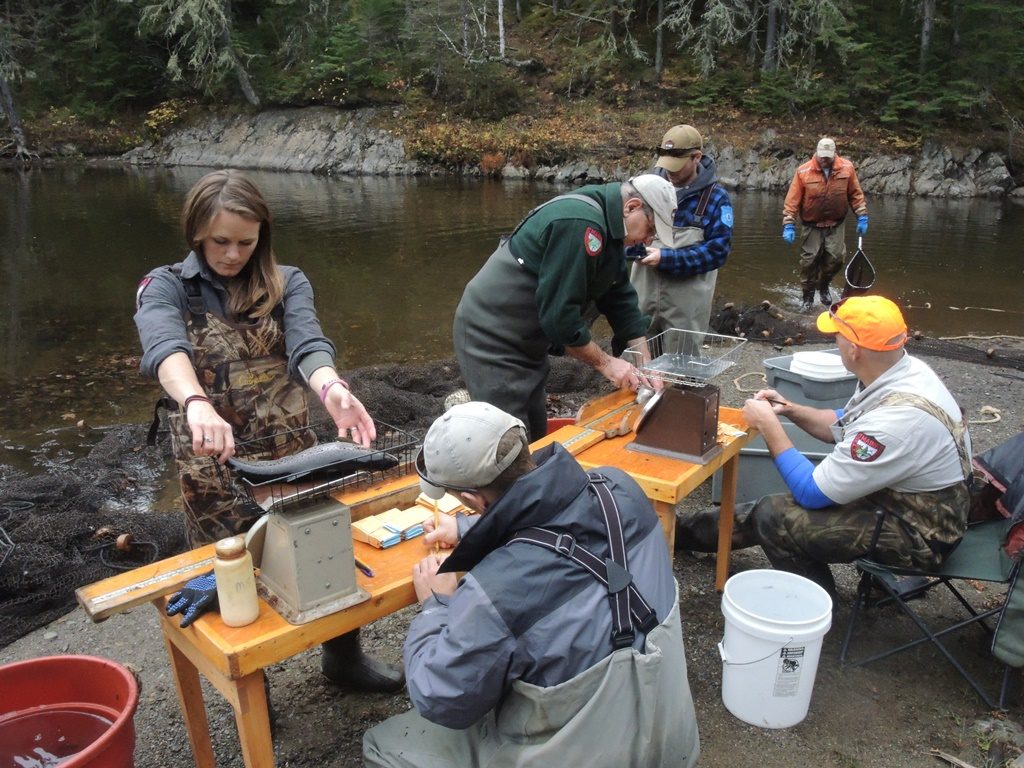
(324,389)
(194,398)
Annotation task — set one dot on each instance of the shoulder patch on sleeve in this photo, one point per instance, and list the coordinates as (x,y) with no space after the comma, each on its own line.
(593,241)
(865,448)
(142,287)
(727,215)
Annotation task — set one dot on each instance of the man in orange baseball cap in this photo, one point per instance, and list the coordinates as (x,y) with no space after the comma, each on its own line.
(901,445)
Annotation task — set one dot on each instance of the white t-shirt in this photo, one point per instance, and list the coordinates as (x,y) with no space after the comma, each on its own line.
(899,447)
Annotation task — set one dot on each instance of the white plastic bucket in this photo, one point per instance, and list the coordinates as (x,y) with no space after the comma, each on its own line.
(774,625)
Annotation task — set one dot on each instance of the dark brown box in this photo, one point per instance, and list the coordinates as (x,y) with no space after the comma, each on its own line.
(683,421)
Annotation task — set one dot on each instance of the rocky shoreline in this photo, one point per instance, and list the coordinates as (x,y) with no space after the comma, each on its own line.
(331,141)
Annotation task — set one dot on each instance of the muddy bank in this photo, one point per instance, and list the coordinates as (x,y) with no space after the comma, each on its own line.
(64,519)
(888,714)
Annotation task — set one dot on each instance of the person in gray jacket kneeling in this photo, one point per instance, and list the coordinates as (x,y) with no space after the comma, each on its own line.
(562,643)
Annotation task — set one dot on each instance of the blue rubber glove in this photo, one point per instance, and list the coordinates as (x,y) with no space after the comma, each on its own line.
(194,599)
(789,233)
(862,224)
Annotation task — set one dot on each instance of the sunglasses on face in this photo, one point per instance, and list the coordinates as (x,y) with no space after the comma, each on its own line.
(832,313)
(673,152)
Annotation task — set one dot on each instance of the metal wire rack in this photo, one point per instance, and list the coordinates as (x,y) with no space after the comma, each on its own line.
(392,454)
(691,358)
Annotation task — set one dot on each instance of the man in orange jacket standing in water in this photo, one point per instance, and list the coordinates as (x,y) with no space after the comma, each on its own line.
(822,191)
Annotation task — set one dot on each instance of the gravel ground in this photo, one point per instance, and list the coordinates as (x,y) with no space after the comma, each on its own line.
(887,714)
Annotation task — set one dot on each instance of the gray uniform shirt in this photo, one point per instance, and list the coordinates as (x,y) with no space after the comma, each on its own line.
(899,447)
(162,312)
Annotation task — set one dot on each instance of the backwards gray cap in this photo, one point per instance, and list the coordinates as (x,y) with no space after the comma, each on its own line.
(460,450)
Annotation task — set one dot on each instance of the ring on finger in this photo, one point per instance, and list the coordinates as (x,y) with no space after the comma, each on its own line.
(207,439)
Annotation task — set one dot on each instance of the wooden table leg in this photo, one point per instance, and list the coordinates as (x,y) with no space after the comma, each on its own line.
(193,709)
(725,521)
(246,695)
(253,721)
(667,515)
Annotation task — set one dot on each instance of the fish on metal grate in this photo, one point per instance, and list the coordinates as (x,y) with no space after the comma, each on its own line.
(324,460)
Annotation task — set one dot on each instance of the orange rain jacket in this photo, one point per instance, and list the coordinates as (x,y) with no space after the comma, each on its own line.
(819,202)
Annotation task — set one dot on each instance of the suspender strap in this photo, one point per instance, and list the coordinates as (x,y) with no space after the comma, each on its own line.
(194,296)
(197,304)
(616,566)
(956,431)
(629,609)
(569,196)
(643,616)
(702,204)
(166,403)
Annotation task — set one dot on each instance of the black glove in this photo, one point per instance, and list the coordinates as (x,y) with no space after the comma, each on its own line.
(194,599)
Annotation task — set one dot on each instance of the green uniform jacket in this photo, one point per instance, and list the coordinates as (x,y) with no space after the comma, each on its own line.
(576,253)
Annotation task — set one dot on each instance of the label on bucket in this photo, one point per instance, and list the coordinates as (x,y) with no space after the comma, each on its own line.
(787,674)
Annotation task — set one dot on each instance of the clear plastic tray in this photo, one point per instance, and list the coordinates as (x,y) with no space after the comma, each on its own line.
(676,356)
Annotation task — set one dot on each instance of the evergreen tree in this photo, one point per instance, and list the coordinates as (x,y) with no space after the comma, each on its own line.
(202,46)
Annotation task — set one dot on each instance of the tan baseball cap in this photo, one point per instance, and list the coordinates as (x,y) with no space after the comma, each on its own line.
(676,145)
(660,195)
(826,147)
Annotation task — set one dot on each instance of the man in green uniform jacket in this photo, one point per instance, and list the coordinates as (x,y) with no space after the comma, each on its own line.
(539,291)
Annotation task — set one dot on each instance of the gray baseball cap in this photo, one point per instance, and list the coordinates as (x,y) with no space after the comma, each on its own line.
(460,450)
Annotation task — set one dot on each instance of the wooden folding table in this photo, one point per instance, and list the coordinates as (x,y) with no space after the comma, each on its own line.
(233,659)
(665,481)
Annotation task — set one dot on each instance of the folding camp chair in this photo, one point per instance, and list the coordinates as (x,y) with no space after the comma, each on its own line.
(978,557)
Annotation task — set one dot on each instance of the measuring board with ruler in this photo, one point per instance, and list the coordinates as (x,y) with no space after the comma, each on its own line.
(103,599)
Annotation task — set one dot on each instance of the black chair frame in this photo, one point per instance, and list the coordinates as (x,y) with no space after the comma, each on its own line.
(874,573)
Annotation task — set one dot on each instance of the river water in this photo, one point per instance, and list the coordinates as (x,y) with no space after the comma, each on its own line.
(388,259)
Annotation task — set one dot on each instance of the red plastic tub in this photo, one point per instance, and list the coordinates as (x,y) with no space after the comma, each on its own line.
(74,711)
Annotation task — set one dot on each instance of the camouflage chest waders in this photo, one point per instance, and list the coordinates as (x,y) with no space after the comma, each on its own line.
(243,369)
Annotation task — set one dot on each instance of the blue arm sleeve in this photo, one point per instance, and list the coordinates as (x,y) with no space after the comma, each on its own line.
(798,472)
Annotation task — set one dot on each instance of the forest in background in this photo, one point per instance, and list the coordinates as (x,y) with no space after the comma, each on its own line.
(516,76)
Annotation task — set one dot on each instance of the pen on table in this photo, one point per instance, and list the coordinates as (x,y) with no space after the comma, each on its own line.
(437,525)
(363,567)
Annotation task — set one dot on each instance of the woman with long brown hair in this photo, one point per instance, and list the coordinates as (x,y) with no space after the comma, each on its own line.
(234,340)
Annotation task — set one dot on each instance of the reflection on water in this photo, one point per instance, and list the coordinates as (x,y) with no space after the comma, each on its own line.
(388,259)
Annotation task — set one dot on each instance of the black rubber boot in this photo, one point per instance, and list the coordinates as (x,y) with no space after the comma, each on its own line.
(826,296)
(698,531)
(344,664)
(808,302)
